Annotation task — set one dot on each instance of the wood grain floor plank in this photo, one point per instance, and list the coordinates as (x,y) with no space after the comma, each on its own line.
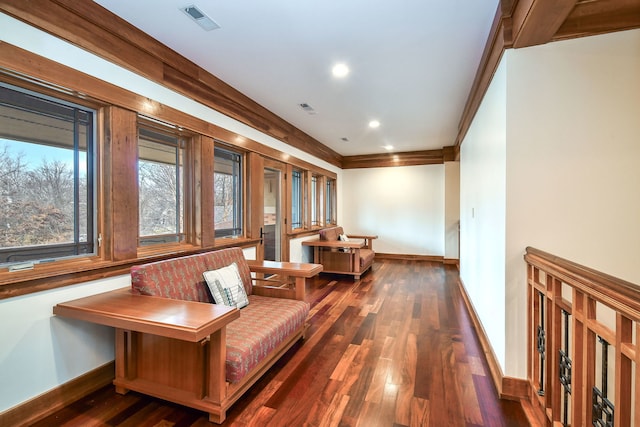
(389,344)
(257,403)
(150,415)
(345,363)
(333,414)
(366,330)
(419,413)
(379,381)
(477,368)
(468,394)
(369,415)
(355,373)
(394,349)
(406,388)
(262,417)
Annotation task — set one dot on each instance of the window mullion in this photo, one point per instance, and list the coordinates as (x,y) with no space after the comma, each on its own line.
(76,180)
(178,192)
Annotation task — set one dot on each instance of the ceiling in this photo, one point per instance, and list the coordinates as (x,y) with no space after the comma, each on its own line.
(412,62)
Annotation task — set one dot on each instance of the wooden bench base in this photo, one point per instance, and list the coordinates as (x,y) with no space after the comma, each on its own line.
(184,372)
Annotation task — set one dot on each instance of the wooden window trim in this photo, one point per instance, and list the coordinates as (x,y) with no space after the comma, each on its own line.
(304,220)
(334,198)
(244,197)
(46,277)
(188,196)
(118,111)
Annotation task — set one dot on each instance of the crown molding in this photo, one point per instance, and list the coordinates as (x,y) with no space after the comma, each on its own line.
(407,158)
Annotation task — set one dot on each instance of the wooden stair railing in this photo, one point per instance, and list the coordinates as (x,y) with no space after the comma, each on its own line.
(583,344)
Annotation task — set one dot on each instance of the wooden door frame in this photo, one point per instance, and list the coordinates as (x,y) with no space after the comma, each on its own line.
(283,218)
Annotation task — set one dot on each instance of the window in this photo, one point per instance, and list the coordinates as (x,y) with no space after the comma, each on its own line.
(227,187)
(46,178)
(316,201)
(160,186)
(297,200)
(330,202)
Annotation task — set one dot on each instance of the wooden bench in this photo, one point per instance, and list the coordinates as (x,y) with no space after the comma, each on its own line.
(177,350)
(353,257)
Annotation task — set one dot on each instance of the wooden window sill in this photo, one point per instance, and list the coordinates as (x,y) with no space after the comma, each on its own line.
(70,272)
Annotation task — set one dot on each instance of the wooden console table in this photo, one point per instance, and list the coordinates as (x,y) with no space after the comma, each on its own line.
(183,320)
(193,331)
(299,271)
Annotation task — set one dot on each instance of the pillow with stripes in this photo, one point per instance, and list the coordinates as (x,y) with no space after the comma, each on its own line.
(226,286)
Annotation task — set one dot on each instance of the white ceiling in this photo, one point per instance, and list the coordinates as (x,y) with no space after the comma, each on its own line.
(412,62)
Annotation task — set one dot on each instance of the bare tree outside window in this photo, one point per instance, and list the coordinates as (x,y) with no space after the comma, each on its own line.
(46,192)
(227,187)
(223,188)
(160,182)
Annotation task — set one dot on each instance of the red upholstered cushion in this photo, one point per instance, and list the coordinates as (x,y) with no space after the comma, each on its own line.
(330,234)
(263,325)
(181,278)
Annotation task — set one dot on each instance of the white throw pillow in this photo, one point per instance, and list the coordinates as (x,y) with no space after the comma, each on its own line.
(343,238)
(226,286)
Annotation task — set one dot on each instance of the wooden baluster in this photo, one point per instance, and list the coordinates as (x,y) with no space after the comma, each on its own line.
(554,327)
(565,370)
(578,376)
(623,374)
(601,405)
(541,343)
(636,417)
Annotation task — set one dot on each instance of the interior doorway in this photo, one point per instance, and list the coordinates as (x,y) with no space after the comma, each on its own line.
(272,225)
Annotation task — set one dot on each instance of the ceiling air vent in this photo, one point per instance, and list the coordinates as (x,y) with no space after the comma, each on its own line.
(307,108)
(200,18)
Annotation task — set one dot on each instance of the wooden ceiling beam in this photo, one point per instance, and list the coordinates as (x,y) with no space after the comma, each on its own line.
(598,17)
(537,21)
(410,158)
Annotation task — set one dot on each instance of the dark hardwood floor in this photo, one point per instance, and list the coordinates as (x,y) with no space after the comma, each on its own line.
(396,348)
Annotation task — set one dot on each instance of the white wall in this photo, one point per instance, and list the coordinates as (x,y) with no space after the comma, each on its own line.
(299,253)
(573,163)
(404,206)
(451,209)
(38,352)
(482,211)
(551,161)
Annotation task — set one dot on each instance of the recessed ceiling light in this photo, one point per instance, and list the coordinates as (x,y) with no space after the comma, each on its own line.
(200,18)
(374,124)
(388,147)
(340,70)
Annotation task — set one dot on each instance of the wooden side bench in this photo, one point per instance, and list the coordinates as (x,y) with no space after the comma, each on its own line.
(353,257)
(176,350)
